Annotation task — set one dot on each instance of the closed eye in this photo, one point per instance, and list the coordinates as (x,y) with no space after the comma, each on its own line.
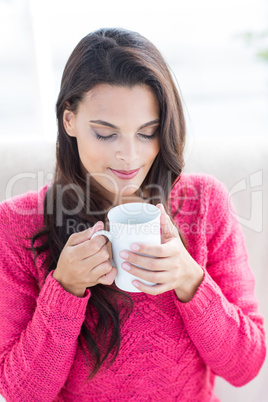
(111,136)
(148,137)
(104,138)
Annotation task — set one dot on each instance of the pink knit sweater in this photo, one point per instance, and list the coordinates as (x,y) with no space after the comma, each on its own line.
(170,351)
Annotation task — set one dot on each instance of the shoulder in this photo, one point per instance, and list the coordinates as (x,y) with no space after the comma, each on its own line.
(198,182)
(198,192)
(23,214)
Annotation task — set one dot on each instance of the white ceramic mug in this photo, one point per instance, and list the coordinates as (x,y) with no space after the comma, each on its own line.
(131,223)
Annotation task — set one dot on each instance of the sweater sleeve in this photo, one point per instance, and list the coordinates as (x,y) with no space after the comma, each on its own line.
(222,319)
(39,329)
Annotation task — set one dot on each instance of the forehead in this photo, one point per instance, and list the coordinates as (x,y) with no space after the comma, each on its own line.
(106,100)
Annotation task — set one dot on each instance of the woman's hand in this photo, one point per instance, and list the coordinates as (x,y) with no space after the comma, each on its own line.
(84,262)
(173,267)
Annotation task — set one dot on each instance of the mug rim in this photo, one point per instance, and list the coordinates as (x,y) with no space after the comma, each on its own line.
(156,214)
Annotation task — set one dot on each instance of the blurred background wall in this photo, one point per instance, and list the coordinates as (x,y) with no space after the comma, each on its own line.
(223,83)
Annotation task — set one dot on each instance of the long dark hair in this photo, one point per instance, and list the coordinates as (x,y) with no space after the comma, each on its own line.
(117,57)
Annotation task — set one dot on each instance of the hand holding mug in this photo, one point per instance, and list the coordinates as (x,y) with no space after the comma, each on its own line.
(171,268)
(131,223)
(84,262)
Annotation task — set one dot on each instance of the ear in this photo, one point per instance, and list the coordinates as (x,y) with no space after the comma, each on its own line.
(69,122)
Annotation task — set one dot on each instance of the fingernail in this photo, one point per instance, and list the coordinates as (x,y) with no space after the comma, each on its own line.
(123,254)
(136,284)
(126,266)
(98,223)
(135,247)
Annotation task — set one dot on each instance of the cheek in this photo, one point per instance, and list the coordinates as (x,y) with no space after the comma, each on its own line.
(152,152)
(96,153)
(102,153)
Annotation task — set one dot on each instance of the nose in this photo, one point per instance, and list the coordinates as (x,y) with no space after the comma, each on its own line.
(127,151)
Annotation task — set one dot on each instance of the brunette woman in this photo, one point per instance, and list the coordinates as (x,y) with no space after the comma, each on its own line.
(67,332)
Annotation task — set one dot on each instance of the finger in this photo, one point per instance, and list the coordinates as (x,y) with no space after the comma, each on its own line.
(98,226)
(150,276)
(151,290)
(96,259)
(159,250)
(103,268)
(80,237)
(109,246)
(147,262)
(167,228)
(88,248)
(108,278)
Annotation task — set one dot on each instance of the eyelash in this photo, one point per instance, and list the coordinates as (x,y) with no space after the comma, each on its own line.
(109,137)
(102,138)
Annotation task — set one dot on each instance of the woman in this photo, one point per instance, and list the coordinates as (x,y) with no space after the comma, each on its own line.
(68,333)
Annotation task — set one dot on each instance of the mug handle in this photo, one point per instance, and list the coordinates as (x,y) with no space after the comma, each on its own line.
(103,233)
(107,234)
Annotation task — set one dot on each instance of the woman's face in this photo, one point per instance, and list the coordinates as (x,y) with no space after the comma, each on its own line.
(116,128)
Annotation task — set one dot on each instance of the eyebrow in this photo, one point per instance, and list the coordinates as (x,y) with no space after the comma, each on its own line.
(105,123)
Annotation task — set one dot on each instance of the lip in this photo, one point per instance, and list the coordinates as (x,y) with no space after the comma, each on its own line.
(125,174)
